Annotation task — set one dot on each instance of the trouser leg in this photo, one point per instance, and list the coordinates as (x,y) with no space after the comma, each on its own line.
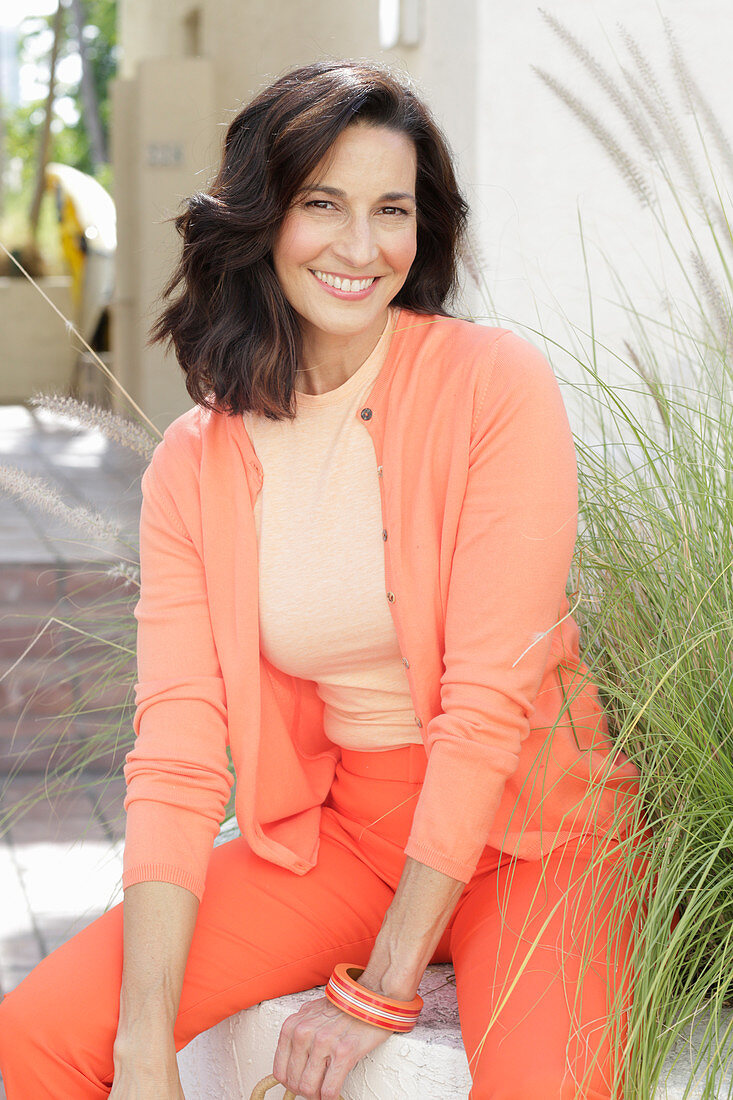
(261,932)
(541,951)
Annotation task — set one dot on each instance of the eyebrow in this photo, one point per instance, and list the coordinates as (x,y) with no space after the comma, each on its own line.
(388,196)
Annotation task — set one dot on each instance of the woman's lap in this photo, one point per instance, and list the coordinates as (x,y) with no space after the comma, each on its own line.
(262,932)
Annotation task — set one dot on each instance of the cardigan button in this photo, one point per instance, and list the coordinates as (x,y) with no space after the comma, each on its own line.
(405,662)
(391,597)
(366,414)
(379,471)
(384,535)
(418,722)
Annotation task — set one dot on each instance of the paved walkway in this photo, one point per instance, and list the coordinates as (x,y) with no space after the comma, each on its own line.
(60,848)
(60,866)
(87,468)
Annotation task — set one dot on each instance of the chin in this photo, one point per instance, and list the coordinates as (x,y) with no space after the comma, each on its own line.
(329,320)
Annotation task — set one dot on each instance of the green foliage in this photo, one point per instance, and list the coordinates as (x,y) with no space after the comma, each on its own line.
(72,142)
(654,559)
(68,145)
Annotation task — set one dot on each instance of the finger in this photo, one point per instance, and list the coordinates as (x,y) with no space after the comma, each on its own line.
(284,1045)
(301,1041)
(338,1068)
(330,1059)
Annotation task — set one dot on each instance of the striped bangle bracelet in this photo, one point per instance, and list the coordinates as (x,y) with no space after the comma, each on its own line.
(344,991)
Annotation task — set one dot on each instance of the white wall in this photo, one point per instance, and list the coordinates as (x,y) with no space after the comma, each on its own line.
(538,168)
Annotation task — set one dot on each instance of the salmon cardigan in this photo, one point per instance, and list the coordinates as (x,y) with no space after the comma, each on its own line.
(478,481)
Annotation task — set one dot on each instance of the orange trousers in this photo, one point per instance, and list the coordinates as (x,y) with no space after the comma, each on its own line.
(520,936)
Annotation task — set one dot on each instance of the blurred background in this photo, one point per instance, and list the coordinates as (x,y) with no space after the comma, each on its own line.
(114,110)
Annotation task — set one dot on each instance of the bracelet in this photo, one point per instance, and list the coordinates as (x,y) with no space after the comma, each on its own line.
(344,991)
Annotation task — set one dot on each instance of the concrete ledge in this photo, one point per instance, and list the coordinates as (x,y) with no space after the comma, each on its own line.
(37,353)
(677,1075)
(226,1062)
(429,1063)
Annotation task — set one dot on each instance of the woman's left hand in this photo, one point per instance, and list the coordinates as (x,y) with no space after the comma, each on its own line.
(318,1046)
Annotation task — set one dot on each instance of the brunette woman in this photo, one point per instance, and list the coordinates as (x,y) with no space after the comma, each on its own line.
(354,555)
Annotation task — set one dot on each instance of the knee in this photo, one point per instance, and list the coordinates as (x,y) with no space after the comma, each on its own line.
(16,1026)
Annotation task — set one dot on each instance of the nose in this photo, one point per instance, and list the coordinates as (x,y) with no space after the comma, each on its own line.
(356,243)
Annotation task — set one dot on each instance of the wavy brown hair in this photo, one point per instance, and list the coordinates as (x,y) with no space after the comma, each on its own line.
(235,335)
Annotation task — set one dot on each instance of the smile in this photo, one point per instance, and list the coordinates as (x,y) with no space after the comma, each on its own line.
(347,286)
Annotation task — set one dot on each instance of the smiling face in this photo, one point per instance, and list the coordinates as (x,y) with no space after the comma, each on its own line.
(347,242)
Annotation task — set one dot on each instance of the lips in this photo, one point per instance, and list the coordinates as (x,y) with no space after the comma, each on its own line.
(344,282)
(346,295)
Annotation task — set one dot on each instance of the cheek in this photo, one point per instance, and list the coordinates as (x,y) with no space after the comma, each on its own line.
(403,251)
(299,242)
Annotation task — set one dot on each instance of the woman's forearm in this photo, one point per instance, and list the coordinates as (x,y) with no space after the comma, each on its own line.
(411,929)
(159,920)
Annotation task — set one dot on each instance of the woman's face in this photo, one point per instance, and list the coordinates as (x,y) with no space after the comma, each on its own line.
(354,220)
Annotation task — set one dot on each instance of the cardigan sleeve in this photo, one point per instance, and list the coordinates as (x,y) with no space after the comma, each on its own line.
(514,545)
(177,773)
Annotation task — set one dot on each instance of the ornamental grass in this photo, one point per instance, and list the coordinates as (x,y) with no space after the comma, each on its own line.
(651,584)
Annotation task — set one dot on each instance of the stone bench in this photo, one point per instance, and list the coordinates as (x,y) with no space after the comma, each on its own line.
(428,1063)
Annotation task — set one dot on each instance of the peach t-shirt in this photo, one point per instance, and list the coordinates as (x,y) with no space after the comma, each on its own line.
(323,616)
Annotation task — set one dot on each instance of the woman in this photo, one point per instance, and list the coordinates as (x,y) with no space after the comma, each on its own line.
(354,553)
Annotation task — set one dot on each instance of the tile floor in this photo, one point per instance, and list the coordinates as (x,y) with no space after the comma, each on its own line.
(85,466)
(60,866)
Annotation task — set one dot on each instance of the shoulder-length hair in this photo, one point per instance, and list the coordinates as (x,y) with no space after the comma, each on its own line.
(235,335)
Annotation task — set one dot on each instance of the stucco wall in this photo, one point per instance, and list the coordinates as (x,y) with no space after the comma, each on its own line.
(37,353)
(538,169)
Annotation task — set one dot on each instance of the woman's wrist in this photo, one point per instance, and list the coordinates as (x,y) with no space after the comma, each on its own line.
(152,1014)
(395,975)
(413,924)
(401,986)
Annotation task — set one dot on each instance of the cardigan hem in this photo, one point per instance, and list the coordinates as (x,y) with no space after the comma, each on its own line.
(164,872)
(448,865)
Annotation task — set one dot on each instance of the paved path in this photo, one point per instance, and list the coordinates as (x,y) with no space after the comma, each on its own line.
(60,865)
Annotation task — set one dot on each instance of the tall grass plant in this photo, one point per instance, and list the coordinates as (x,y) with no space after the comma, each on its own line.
(652,581)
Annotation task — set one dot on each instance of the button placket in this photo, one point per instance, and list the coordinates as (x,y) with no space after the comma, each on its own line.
(366,414)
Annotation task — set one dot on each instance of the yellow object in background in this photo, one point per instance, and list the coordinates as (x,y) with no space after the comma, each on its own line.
(88,229)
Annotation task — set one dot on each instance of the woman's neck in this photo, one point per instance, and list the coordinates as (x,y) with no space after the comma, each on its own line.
(330,360)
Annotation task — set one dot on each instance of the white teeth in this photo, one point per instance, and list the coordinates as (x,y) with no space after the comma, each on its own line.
(336,281)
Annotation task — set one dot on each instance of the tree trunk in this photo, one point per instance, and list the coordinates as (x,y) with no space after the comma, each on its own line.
(89,99)
(45,142)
